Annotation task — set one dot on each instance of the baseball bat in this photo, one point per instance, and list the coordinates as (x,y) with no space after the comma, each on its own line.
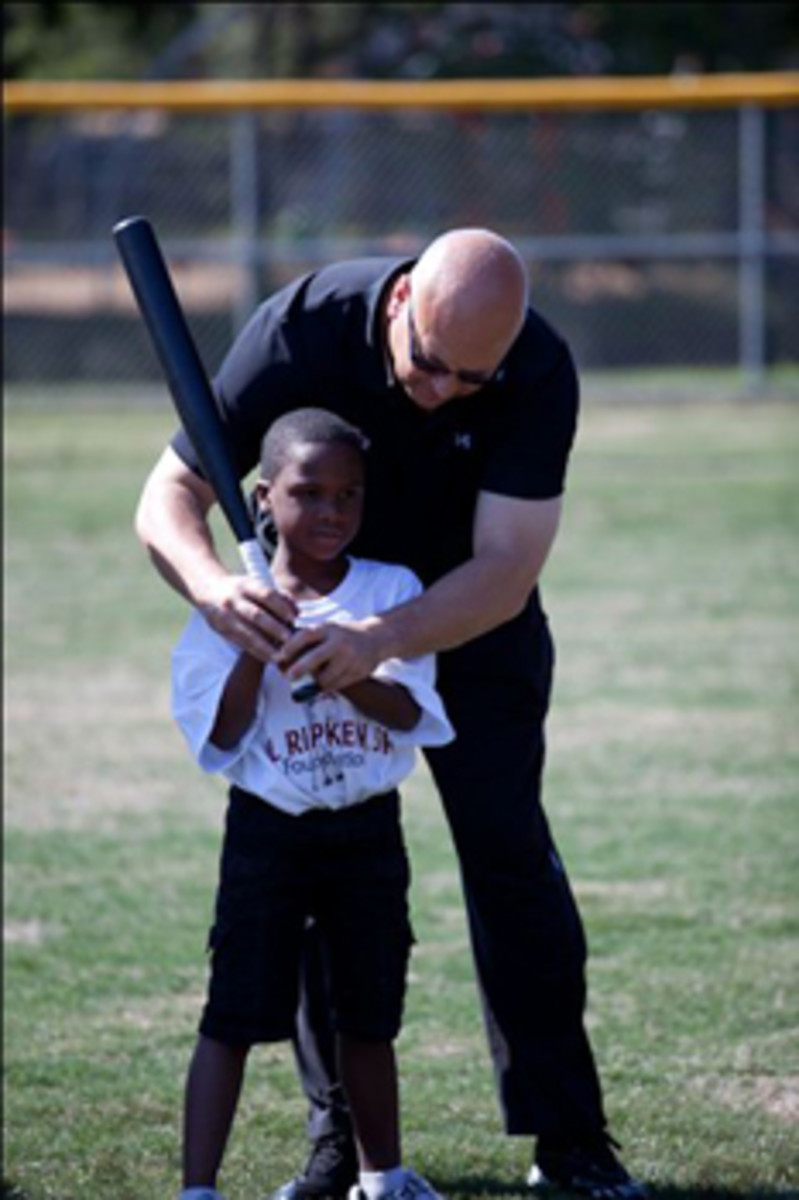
(192,395)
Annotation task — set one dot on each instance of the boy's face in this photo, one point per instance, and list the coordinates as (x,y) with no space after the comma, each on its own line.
(316,499)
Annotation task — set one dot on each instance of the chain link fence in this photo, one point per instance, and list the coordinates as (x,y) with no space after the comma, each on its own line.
(658,237)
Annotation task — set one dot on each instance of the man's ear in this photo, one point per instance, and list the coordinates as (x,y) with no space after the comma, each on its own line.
(400,291)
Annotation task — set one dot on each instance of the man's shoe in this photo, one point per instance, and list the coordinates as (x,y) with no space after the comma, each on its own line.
(588,1167)
(413,1187)
(330,1172)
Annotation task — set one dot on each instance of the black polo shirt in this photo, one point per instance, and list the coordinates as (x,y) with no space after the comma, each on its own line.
(318,342)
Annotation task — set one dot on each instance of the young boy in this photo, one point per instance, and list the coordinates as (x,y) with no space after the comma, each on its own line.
(312,830)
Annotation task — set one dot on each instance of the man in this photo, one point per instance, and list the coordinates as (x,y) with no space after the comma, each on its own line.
(469,400)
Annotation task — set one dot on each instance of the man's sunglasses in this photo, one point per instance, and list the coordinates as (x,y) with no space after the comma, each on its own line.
(432,366)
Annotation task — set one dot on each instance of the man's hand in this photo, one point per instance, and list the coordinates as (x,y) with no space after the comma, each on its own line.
(250,614)
(335,655)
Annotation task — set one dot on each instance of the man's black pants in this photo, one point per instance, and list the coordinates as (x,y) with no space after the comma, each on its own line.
(527,936)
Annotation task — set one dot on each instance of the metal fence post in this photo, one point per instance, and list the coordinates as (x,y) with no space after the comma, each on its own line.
(752,245)
(244,211)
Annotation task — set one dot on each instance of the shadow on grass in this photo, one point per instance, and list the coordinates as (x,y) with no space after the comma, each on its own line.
(484,1186)
(472,1185)
(665,1192)
(12,1192)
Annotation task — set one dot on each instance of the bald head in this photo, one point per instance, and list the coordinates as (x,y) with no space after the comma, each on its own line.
(451,321)
(475,280)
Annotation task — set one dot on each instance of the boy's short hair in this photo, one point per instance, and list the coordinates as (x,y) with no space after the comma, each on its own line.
(305,427)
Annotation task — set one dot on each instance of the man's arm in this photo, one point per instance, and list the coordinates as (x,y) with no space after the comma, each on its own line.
(172,522)
(512,539)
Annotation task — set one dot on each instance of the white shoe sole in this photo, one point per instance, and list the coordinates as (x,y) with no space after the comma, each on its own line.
(537,1180)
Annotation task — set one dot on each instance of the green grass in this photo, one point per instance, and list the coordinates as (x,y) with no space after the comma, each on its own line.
(672,786)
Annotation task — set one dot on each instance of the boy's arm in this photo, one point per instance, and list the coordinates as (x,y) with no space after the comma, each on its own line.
(384,701)
(238,703)
(389,703)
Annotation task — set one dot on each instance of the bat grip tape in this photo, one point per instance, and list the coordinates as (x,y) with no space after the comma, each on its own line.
(305,688)
(255,560)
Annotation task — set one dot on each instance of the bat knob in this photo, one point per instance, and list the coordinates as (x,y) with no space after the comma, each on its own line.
(305,689)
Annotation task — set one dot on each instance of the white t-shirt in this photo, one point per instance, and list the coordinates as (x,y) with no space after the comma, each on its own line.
(322,753)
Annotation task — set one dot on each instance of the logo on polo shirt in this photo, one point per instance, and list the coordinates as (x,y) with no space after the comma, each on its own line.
(463,441)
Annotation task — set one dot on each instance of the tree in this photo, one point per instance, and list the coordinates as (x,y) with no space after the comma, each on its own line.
(87,41)
(390,40)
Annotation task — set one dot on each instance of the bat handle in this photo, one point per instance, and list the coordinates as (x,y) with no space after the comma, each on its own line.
(255,561)
(305,688)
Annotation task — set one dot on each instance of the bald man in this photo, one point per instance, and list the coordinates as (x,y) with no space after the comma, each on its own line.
(469,400)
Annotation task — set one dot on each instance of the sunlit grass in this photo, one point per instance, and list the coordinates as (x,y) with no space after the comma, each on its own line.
(672,786)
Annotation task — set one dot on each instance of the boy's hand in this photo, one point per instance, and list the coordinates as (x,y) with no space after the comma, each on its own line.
(250,614)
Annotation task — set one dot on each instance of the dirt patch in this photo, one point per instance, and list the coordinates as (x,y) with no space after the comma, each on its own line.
(95,750)
(614,724)
(102,289)
(777,1097)
(27,933)
(638,890)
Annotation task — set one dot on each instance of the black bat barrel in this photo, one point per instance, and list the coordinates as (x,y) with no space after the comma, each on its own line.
(170,335)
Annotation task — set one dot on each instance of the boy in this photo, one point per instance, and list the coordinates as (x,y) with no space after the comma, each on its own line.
(312,827)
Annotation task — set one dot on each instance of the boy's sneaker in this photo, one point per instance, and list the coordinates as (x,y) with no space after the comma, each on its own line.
(588,1167)
(413,1187)
(330,1171)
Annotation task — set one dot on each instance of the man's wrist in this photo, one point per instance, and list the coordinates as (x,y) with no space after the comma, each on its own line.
(383,637)
(204,586)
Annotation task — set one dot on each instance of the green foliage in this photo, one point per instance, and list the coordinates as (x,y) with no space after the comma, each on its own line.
(45,40)
(671,786)
(87,40)
(658,38)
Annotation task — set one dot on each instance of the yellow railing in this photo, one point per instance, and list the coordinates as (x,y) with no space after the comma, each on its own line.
(674,91)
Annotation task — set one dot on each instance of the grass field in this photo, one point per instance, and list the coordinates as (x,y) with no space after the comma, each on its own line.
(672,787)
